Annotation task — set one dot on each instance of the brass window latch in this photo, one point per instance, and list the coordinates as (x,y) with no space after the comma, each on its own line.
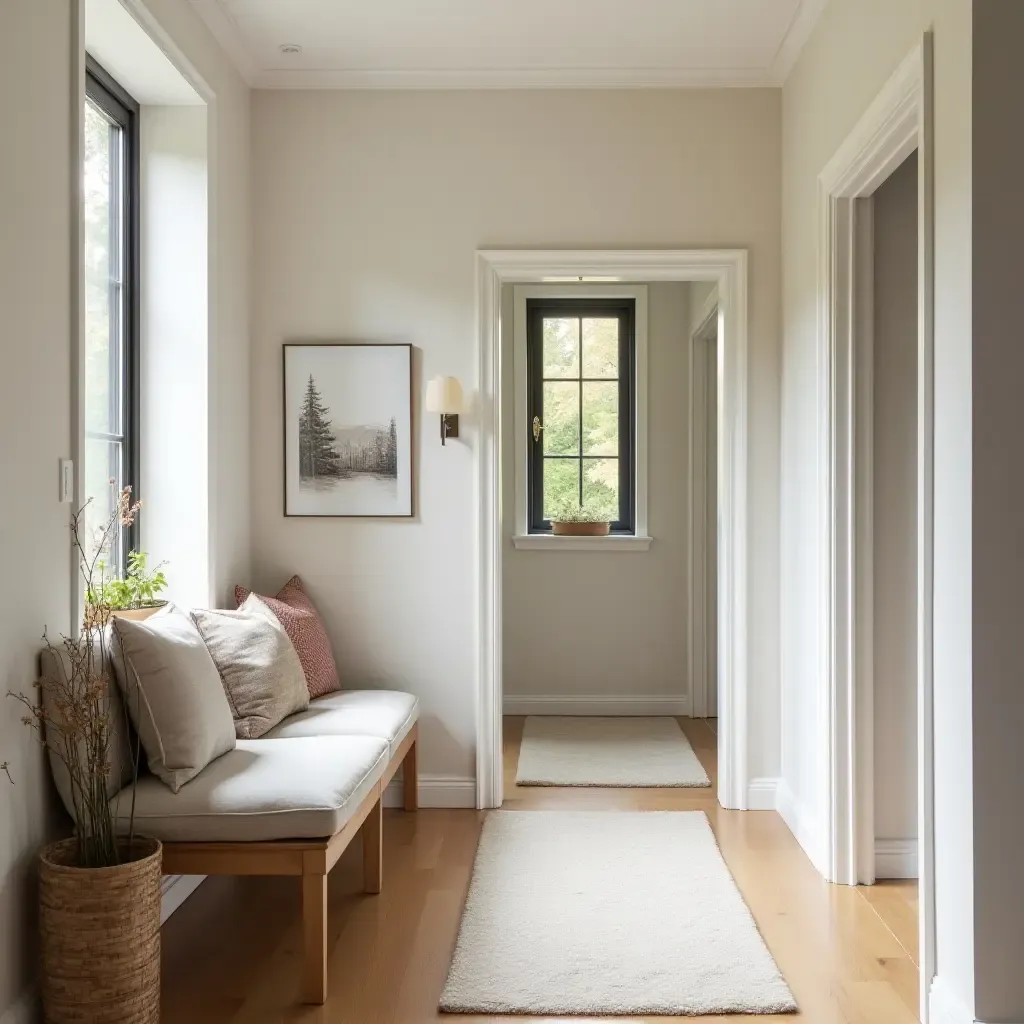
(537,428)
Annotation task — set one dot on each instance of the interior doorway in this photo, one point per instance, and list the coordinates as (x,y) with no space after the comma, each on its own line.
(897,126)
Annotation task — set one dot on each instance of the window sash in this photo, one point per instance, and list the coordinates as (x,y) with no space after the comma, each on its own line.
(121,436)
(624,310)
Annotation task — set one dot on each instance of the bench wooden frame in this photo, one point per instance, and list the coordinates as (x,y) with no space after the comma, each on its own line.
(310,859)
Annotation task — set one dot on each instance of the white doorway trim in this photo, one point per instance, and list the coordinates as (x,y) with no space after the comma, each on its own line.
(897,123)
(703,349)
(726,267)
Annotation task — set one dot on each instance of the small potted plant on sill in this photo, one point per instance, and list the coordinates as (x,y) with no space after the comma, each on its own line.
(99,891)
(578,521)
(135,596)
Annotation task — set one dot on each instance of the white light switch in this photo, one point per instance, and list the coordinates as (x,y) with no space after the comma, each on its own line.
(67,480)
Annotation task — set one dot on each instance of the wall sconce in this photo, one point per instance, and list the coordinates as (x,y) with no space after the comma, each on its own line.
(444,396)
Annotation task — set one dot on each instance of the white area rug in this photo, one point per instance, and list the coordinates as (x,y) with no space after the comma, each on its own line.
(633,752)
(607,912)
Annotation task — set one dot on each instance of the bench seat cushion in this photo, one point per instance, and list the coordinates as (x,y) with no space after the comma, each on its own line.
(387,714)
(263,789)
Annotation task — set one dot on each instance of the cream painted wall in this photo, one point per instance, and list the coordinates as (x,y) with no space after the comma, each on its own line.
(855,47)
(367,210)
(38,45)
(895,505)
(35,431)
(609,624)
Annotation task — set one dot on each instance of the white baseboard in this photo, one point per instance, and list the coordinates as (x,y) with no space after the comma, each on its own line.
(175,889)
(945,1006)
(801,824)
(762,794)
(895,858)
(571,704)
(435,791)
(24,1010)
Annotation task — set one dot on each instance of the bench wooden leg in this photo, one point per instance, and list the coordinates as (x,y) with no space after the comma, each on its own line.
(314,928)
(373,849)
(410,781)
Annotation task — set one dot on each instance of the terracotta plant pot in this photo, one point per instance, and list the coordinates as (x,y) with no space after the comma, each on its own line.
(137,613)
(100,937)
(580,529)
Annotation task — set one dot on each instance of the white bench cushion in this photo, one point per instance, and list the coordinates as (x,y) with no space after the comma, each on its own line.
(263,789)
(388,714)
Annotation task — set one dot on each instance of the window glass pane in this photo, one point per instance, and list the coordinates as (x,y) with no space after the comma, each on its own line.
(102,464)
(601,487)
(561,485)
(561,347)
(102,288)
(601,418)
(561,418)
(600,347)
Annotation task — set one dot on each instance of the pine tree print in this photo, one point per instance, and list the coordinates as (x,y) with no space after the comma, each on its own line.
(318,456)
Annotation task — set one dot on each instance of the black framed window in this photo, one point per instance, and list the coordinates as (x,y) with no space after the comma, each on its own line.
(581,357)
(110,180)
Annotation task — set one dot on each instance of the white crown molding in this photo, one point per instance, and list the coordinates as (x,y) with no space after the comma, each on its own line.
(513,78)
(795,39)
(224,29)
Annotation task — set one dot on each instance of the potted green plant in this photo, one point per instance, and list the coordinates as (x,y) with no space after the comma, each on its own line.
(133,596)
(571,520)
(99,891)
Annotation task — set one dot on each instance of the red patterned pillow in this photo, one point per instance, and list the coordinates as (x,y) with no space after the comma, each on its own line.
(305,629)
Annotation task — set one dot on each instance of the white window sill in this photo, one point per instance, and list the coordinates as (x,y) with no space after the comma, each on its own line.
(548,542)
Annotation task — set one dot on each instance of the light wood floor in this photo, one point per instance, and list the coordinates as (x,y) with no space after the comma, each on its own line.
(230,954)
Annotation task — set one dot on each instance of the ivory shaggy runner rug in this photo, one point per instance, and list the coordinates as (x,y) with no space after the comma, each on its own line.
(628,752)
(607,913)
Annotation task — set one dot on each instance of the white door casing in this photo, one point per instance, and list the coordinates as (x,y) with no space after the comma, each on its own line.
(728,269)
(894,126)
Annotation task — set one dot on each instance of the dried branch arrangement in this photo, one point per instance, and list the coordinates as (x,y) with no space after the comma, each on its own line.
(75,722)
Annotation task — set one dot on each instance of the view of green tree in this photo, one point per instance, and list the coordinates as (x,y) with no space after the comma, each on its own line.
(601,347)
(572,344)
(102,456)
(561,347)
(561,418)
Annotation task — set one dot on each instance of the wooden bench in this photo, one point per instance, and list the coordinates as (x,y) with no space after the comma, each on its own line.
(310,859)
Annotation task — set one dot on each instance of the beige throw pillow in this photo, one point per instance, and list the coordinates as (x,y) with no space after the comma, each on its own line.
(261,672)
(174,694)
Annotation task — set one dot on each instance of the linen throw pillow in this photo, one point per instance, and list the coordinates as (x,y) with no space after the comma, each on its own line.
(173,693)
(261,672)
(301,621)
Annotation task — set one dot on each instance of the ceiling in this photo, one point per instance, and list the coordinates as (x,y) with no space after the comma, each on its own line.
(474,44)
(125,49)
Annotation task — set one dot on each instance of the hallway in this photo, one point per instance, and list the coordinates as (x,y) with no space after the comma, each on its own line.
(230,952)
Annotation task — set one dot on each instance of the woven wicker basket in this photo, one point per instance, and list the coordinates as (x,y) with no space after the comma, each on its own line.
(100,937)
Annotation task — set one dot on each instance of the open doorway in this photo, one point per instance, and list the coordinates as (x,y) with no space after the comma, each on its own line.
(876,441)
(504,523)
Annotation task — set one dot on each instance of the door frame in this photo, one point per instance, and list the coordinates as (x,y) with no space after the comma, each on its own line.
(899,122)
(726,267)
(699,564)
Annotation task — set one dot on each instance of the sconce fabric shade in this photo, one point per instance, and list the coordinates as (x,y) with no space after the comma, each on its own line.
(444,395)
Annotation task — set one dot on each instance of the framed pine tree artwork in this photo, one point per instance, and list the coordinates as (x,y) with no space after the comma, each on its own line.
(347,429)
